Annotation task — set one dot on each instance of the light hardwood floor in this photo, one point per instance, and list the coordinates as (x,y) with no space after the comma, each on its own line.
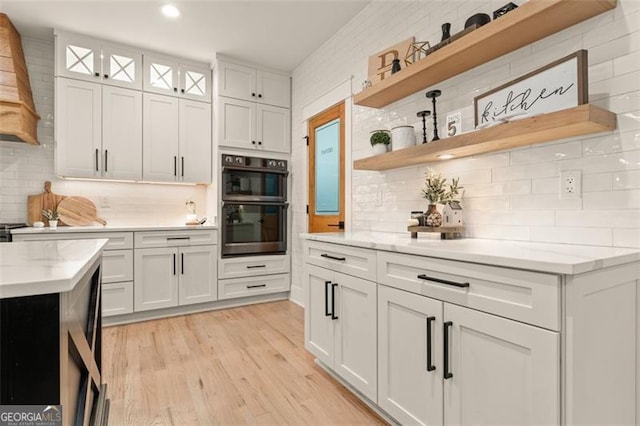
(235,366)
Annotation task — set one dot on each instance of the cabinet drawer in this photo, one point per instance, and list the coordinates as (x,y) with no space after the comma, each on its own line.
(151,239)
(530,297)
(237,267)
(251,286)
(117,298)
(117,265)
(117,240)
(348,260)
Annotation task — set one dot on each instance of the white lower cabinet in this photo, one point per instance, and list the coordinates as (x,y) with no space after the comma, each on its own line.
(445,364)
(117,298)
(340,326)
(170,276)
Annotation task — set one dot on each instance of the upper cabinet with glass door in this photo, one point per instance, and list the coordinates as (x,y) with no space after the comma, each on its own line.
(168,76)
(84,58)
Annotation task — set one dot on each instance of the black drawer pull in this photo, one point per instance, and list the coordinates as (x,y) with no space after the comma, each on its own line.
(177,238)
(333,301)
(256,286)
(447,374)
(182,263)
(326,298)
(438,280)
(430,366)
(256,266)
(174,263)
(328,256)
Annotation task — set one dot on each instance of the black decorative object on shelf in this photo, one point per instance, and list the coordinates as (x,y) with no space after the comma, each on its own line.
(395,66)
(479,19)
(424,114)
(433,94)
(503,10)
(446,31)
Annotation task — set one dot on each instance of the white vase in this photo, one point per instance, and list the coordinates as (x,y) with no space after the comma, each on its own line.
(402,137)
(379,148)
(53,224)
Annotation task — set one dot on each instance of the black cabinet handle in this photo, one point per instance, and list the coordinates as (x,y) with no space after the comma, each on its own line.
(256,286)
(333,301)
(430,366)
(438,280)
(326,298)
(182,90)
(106,160)
(260,95)
(97,159)
(182,166)
(256,266)
(328,256)
(181,263)
(253,142)
(106,76)
(175,165)
(97,74)
(447,374)
(253,94)
(175,89)
(174,263)
(259,142)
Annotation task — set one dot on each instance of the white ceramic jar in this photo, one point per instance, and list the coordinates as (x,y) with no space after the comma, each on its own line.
(402,137)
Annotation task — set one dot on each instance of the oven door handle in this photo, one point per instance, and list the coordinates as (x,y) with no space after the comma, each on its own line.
(255,203)
(254,169)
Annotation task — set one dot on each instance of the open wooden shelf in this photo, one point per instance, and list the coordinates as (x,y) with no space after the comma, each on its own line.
(577,121)
(528,23)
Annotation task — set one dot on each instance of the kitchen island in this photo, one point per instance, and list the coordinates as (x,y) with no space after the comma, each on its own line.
(50,328)
(476,331)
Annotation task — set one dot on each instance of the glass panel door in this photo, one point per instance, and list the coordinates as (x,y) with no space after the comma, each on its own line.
(327,169)
(122,68)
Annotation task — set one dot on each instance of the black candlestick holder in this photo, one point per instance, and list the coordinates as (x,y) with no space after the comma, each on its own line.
(433,94)
(424,115)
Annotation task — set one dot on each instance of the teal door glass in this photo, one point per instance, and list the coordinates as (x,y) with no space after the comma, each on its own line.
(327,180)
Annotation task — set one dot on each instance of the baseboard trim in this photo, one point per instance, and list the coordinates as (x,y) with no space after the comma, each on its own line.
(297,295)
(191,309)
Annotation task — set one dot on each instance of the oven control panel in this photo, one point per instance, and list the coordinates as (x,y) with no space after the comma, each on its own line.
(239,161)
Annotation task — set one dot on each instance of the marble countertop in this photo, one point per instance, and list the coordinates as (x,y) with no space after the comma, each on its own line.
(109,228)
(42,267)
(553,258)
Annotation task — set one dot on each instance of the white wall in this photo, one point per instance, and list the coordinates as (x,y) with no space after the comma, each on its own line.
(510,195)
(24,168)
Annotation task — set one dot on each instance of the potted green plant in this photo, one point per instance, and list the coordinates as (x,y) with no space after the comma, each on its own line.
(52,217)
(380,140)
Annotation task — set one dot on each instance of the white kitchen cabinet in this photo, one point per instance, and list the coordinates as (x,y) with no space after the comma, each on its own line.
(89,59)
(171,269)
(253,84)
(482,368)
(410,357)
(251,286)
(176,140)
(168,76)
(117,298)
(98,131)
(340,326)
(247,125)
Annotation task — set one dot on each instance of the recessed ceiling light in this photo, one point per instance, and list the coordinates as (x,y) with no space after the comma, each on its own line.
(170,11)
(446,156)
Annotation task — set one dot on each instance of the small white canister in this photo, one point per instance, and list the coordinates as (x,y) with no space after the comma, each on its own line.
(402,137)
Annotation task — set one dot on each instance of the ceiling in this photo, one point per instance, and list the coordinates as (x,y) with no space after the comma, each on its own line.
(276,34)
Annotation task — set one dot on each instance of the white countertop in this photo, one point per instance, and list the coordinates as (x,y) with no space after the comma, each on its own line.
(108,228)
(554,258)
(42,267)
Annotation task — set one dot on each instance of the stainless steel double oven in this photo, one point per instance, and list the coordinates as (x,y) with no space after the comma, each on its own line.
(254,206)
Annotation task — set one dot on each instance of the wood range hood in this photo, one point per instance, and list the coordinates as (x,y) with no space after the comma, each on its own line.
(18,117)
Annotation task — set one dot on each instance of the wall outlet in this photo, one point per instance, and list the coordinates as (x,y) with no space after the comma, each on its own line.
(570,184)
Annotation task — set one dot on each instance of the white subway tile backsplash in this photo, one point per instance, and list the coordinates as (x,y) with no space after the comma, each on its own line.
(545,201)
(626,238)
(599,218)
(547,153)
(626,199)
(546,186)
(588,236)
(609,143)
(627,180)
(597,182)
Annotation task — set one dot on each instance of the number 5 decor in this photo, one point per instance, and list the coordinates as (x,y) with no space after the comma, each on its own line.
(559,85)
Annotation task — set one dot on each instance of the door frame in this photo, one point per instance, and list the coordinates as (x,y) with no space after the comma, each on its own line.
(340,93)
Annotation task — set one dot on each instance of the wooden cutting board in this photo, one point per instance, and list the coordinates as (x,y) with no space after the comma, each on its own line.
(45,200)
(79,211)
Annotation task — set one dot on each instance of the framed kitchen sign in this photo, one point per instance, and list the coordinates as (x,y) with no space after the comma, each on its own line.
(560,85)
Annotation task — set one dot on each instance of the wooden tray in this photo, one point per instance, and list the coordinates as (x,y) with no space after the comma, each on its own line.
(446,232)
